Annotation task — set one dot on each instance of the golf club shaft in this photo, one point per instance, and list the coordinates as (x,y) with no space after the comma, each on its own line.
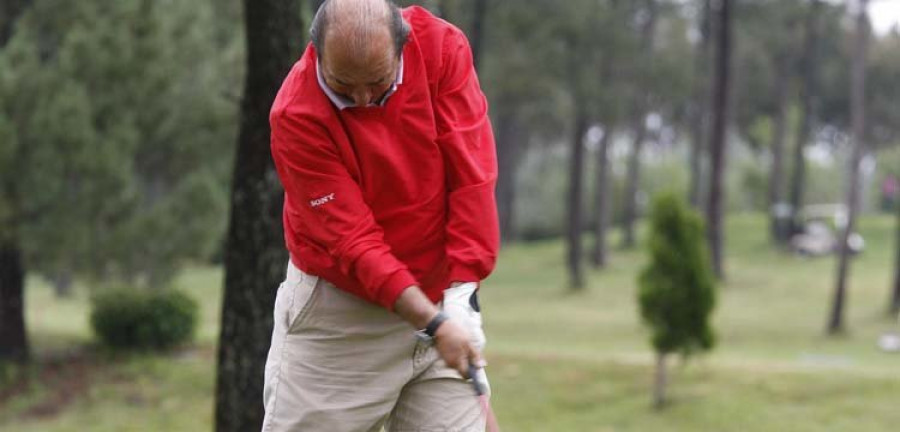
(478,383)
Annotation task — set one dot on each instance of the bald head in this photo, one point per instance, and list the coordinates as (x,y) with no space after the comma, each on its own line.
(355,24)
(358,43)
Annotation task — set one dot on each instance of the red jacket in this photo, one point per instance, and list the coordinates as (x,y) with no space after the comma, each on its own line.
(378,199)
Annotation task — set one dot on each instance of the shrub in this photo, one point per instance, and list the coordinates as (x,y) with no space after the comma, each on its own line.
(677,292)
(130,318)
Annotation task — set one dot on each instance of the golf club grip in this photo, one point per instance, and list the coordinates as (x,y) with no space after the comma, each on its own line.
(476,383)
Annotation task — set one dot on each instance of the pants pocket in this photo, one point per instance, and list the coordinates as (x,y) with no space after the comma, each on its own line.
(303,295)
(273,359)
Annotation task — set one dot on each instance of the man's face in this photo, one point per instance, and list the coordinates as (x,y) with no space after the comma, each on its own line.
(363,80)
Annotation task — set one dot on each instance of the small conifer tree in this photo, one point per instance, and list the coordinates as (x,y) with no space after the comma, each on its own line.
(677,290)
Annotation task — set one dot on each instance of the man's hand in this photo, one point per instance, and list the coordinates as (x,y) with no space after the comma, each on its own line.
(451,339)
(453,344)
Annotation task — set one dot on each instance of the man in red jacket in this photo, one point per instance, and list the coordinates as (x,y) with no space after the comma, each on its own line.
(381,138)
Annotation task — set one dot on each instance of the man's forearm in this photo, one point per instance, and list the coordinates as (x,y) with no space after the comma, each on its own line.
(415,307)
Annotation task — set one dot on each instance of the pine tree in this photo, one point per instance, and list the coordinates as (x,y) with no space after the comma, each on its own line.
(677,291)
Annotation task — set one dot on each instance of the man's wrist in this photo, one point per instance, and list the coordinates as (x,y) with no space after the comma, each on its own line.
(415,308)
(428,334)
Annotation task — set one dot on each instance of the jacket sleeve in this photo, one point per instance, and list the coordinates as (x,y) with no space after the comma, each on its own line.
(330,207)
(467,146)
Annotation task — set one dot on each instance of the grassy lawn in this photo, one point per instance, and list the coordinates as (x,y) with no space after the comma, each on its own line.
(559,361)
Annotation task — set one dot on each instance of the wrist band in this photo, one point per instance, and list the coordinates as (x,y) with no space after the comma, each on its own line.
(435,322)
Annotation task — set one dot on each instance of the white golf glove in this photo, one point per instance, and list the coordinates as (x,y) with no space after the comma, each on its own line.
(458,304)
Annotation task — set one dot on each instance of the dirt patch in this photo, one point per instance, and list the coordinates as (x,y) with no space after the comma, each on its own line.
(68,381)
(63,379)
(64,376)
(15,386)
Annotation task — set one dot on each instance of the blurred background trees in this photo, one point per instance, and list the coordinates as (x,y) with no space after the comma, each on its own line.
(119,123)
(117,126)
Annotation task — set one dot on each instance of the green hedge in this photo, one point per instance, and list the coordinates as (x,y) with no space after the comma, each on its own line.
(131,318)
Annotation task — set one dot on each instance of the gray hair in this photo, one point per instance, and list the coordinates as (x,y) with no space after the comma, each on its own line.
(399,28)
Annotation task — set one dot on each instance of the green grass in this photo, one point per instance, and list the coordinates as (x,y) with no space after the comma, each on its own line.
(561,361)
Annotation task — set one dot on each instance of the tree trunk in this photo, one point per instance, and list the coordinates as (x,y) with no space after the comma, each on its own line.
(808,95)
(508,151)
(659,383)
(13,338)
(602,199)
(255,257)
(575,199)
(721,106)
(477,39)
(894,308)
(441,11)
(609,74)
(700,112)
(857,111)
(632,180)
(62,284)
(9,13)
(776,176)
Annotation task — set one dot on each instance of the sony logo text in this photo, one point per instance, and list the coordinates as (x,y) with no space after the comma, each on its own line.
(320,201)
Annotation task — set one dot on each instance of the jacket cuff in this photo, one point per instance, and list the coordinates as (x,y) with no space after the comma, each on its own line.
(393,287)
(464,274)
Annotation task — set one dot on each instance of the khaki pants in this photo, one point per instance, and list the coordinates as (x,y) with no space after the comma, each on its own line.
(340,364)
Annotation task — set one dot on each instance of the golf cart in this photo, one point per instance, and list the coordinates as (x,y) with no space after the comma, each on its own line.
(822,225)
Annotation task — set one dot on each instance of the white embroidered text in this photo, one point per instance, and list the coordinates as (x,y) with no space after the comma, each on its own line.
(324,200)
